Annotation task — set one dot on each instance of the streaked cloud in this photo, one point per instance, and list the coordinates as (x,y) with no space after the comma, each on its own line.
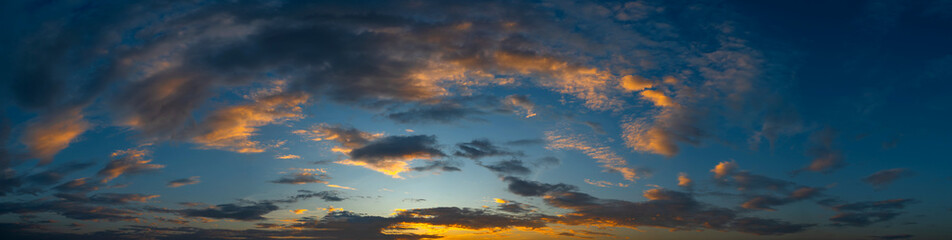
(183,181)
(883,178)
(603,154)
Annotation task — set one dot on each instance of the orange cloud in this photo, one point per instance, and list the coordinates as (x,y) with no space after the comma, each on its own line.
(339,186)
(298,211)
(231,128)
(589,84)
(635,83)
(642,137)
(53,133)
(684,180)
(724,168)
(658,98)
(289,156)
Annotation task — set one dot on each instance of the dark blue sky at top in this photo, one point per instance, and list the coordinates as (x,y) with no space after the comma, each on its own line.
(712,119)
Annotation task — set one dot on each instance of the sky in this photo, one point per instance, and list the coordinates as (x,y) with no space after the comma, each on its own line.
(475,120)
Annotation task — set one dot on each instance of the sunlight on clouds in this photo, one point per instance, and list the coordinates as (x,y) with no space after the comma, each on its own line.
(642,137)
(635,83)
(391,167)
(684,180)
(298,211)
(53,133)
(231,128)
(602,183)
(289,156)
(724,168)
(341,187)
(658,98)
(602,154)
(589,84)
(127,161)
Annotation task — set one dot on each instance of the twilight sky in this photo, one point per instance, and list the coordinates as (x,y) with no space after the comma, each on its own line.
(475,120)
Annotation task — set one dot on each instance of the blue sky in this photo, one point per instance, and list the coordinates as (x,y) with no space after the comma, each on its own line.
(496,119)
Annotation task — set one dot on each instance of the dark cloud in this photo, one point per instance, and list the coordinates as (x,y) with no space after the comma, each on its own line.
(480,148)
(397,147)
(515,207)
(468,218)
(303,178)
(79,185)
(526,142)
(330,196)
(246,211)
(183,181)
(106,198)
(508,167)
(54,175)
(883,178)
(766,202)
(348,137)
(71,209)
(861,214)
(875,205)
(442,113)
(534,189)
(438,165)
(664,209)
(892,237)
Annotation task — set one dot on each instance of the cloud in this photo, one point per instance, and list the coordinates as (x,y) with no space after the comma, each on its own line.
(861,214)
(130,161)
(526,142)
(522,101)
(765,202)
(826,157)
(892,237)
(635,83)
(441,113)
(298,211)
(250,211)
(303,178)
(438,165)
(684,180)
(120,198)
(54,175)
(603,154)
(79,185)
(288,156)
(658,98)
(232,127)
(601,183)
(329,196)
(52,133)
(348,137)
(664,209)
(508,167)
(527,188)
(183,181)
(390,155)
(481,148)
(724,168)
(883,178)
